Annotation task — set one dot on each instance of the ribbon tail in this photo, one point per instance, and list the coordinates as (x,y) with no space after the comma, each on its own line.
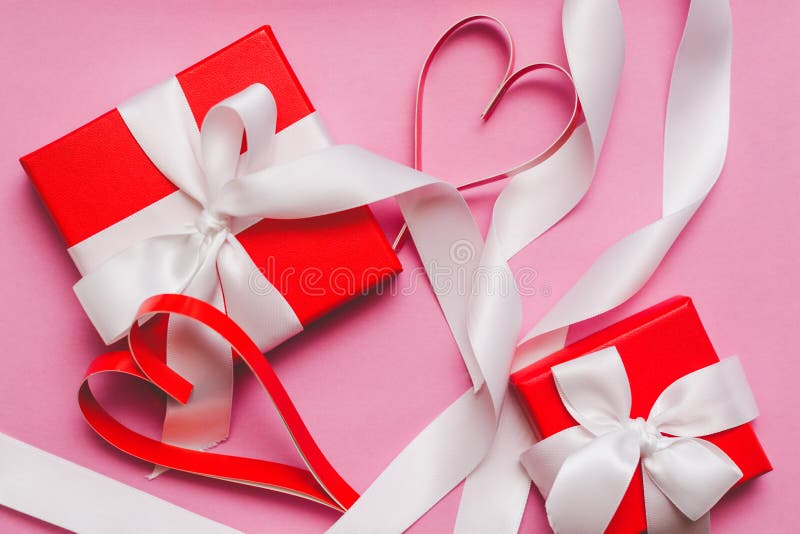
(693,473)
(203,358)
(453,247)
(544,459)
(343,177)
(112,293)
(485,511)
(251,300)
(495,493)
(663,517)
(707,401)
(418,476)
(592,480)
(70,496)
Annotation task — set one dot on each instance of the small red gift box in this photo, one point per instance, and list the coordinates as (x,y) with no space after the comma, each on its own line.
(657,346)
(97,176)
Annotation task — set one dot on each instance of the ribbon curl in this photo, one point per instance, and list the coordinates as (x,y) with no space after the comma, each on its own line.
(584,471)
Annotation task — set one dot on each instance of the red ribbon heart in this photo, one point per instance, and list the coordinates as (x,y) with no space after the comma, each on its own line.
(509,78)
(320,483)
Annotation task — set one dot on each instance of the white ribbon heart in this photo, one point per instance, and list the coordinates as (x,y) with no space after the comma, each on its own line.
(585,470)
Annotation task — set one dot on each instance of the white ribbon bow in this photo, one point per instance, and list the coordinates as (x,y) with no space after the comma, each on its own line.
(230,190)
(584,471)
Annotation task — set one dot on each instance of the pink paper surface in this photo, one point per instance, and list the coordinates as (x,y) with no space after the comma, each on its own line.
(371,376)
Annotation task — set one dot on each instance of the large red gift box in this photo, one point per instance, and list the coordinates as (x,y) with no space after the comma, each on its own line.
(657,346)
(98,175)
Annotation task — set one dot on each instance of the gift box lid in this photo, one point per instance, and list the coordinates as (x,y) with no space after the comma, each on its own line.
(98,175)
(657,346)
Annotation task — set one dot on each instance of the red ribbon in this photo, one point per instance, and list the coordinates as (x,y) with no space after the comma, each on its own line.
(320,482)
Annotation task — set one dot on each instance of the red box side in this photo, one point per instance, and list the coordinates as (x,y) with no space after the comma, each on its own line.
(657,346)
(97,175)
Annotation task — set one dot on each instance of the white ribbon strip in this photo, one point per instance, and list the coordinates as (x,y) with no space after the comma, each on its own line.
(452,446)
(589,467)
(695,144)
(696,129)
(65,494)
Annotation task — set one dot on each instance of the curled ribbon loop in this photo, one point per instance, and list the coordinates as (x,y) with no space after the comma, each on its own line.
(321,483)
(589,466)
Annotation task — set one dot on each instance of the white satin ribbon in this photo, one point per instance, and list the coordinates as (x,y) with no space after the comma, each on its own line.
(695,142)
(471,433)
(65,494)
(225,191)
(584,471)
(454,444)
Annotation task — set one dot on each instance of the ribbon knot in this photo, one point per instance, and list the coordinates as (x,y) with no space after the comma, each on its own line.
(648,435)
(210,224)
(589,467)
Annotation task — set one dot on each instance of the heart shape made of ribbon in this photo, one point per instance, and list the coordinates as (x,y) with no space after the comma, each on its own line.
(320,482)
(509,79)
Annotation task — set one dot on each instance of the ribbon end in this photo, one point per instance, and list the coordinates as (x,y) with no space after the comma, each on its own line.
(181,390)
(157,470)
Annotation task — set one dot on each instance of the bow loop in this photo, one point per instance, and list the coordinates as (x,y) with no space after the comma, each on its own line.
(707,401)
(595,390)
(111,305)
(252,112)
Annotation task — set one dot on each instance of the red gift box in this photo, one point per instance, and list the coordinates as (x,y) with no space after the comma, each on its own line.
(98,175)
(657,346)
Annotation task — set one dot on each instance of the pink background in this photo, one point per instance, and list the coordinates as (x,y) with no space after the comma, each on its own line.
(370,377)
